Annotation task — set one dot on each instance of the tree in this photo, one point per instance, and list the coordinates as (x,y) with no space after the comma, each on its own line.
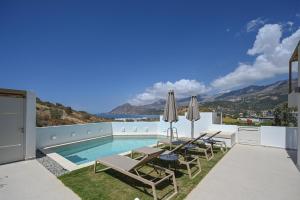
(283,116)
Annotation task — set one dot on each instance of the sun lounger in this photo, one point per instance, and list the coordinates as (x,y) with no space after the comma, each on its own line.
(219,143)
(130,167)
(210,140)
(165,141)
(184,160)
(207,149)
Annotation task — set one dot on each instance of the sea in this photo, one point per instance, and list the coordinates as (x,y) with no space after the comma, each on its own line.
(127,116)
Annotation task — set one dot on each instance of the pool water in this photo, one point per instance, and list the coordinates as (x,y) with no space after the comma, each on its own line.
(88,151)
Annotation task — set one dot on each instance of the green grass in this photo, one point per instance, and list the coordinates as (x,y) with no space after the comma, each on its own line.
(113,185)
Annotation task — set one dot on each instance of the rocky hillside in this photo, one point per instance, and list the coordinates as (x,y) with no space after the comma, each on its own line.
(250,99)
(50,114)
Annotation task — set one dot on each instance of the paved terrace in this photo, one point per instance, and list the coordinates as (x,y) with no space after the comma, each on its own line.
(29,180)
(246,172)
(251,172)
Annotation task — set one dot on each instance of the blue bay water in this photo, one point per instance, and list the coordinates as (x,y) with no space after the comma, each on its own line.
(127,116)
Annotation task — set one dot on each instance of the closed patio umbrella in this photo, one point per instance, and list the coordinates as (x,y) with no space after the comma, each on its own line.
(193,113)
(170,112)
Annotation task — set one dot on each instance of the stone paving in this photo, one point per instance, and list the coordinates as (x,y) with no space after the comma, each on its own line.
(251,173)
(29,180)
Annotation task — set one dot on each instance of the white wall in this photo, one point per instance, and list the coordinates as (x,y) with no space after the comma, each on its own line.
(224,128)
(135,128)
(298,154)
(183,125)
(54,135)
(30,123)
(282,137)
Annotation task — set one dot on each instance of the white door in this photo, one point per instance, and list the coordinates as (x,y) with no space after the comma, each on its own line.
(11,129)
(249,135)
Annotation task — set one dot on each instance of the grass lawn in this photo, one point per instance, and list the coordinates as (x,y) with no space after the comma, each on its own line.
(113,185)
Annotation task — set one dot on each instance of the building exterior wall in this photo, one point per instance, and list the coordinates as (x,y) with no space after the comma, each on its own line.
(30,125)
(298,154)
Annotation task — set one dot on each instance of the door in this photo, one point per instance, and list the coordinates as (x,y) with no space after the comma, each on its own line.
(249,135)
(11,129)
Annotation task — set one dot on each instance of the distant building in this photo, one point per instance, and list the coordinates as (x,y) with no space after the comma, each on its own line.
(257,119)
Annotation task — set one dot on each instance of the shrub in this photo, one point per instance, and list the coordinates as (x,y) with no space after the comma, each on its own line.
(69,110)
(56,113)
(59,105)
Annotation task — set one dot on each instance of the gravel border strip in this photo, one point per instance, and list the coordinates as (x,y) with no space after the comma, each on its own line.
(50,164)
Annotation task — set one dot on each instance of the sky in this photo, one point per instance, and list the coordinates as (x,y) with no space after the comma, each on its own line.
(96,55)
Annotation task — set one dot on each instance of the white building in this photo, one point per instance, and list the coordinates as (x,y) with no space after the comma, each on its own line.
(17,125)
(294,92)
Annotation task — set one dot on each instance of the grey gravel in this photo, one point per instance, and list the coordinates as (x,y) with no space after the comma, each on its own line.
(50,164)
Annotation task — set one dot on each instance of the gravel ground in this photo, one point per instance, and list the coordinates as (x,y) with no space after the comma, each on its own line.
(50,164)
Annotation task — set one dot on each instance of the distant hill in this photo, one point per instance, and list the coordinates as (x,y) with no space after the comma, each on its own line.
(151,109)
(50,114)
(249,99)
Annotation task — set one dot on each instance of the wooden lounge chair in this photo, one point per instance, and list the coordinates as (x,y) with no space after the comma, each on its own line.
(183,158)
(211,141)
(206,149)
(187,159)
(130,167)
(203,148)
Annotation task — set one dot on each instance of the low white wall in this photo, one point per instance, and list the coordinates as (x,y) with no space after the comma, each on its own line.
(135,128)
(223,128)
(282,137)
(183,125)
(54,135)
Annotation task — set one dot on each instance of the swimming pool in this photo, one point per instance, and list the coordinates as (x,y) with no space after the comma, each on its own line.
(87,151)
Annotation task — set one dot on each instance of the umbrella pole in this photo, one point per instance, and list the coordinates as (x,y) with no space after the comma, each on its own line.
(192,129)
(171,135)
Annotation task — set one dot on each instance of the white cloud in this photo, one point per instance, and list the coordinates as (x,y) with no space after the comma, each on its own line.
(254,24)
(288,26)
(290,23)
(182,88)
(272,55)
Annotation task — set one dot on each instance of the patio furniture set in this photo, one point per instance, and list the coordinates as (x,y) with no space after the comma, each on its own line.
(182,154)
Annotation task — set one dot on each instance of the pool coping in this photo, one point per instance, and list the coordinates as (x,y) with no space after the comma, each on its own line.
(70,166)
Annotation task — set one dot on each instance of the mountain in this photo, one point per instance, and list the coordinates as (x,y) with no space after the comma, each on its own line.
(252,98)
(53,114)
(272,90)
(150,109)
